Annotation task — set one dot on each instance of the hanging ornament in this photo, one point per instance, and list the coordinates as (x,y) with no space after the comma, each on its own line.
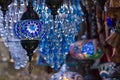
(15,10)
(18,54)
(60,33)
(29,29)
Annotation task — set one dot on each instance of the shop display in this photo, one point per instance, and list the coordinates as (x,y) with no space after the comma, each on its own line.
(56,34)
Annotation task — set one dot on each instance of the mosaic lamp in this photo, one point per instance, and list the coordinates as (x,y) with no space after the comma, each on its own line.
(29,30)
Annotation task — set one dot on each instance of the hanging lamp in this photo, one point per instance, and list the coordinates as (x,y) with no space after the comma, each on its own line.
(60,31)
(28,30)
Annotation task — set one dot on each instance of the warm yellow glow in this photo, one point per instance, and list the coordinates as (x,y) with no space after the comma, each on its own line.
(64,78)
(11,60)
(85,55)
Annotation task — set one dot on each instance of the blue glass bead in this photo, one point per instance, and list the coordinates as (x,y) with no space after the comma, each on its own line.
(62,10)
(40,44)
(55,50)
(48,10)
(50,51)
(59,27)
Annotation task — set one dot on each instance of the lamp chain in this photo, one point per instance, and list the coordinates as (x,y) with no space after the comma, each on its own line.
(30,67)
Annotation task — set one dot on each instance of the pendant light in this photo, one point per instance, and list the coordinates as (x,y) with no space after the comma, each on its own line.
(28,30)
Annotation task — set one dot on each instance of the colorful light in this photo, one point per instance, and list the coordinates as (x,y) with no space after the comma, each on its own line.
(85,49)
(59,33)
(28,29)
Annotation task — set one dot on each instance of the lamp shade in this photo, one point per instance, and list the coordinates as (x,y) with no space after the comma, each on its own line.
(29,27)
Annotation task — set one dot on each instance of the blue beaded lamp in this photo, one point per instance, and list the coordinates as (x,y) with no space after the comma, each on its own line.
(62,25)
(29,30)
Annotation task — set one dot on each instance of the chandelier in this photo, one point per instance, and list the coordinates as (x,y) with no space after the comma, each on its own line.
(61,28)
(13,14)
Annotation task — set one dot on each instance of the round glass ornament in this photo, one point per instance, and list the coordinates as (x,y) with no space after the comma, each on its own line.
(85,49)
